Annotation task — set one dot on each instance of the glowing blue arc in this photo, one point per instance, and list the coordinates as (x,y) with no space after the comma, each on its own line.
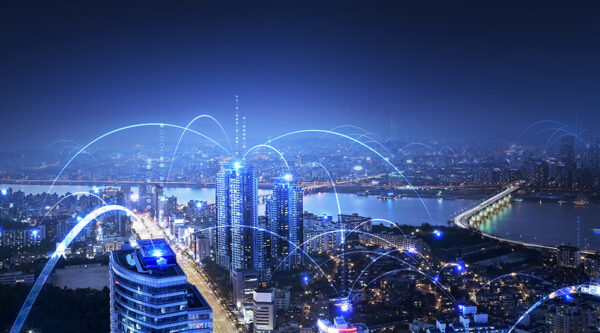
(337,199)
(513,275)
(60,250)
(367,147)
(272,148)
(413,269)
(369,265)
(296,246)
(537,123)
(392,223)
(326,233)
(586,289)
(126,128)
(183,133)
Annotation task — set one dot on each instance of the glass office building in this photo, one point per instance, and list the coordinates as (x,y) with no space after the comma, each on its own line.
(149,292)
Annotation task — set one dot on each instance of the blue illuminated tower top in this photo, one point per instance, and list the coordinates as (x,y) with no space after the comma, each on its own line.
(156,254)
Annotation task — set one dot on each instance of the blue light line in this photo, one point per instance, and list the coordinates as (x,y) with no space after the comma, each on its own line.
(60,250)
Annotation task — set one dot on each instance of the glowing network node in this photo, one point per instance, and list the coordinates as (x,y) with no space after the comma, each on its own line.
(79,218)
(437,234)
(157,253)
(358,168)
(288,177)
(237,165)
(305,279)
(411,250)
(345,306)
(436,278)
(4,191)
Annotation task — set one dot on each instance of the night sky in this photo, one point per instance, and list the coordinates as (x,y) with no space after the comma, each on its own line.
(477,70)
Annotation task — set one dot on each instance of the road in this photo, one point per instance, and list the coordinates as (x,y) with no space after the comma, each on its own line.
(462,219)
(222,323)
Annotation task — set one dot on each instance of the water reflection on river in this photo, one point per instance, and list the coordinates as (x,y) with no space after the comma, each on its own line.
(546,223)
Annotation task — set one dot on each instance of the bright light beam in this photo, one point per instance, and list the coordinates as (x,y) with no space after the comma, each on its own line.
(122,129)
(60,250)
(272,148)
(183,132)
(367,147)
(513,275)
(586,289)
(337,199)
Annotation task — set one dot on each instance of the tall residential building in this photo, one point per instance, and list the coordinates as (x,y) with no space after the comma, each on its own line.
(237,216)
(567,317)
(149,292)
(285,218)
(567,157)
(200,246)
(540,173)
(568,256)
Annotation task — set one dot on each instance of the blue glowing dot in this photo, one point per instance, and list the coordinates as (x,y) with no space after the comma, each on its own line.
(437,234)
(4,191)
(459,268)
(436,278)
(157,253)
(79,218)
(305,278)
(288,177)
(345,306)
(34,232)
(411,250)
(237,165)
(568,298)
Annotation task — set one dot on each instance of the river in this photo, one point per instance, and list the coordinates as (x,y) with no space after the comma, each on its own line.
(546,223)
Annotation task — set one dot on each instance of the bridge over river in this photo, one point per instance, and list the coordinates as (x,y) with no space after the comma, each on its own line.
(469,218)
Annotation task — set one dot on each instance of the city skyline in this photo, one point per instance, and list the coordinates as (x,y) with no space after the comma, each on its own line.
(300,167)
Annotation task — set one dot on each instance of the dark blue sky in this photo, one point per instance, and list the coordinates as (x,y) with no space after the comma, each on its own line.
(446,70)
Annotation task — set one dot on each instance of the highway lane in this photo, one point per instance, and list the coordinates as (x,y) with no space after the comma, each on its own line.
(222,322)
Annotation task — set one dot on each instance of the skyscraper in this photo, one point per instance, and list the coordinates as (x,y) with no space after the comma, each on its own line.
(567,157)
(285,218)
(540,173)
(149,292)
(237,216)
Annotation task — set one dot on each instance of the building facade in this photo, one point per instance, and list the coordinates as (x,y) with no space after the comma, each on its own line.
(285,219)
(149,292)
(237,216)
